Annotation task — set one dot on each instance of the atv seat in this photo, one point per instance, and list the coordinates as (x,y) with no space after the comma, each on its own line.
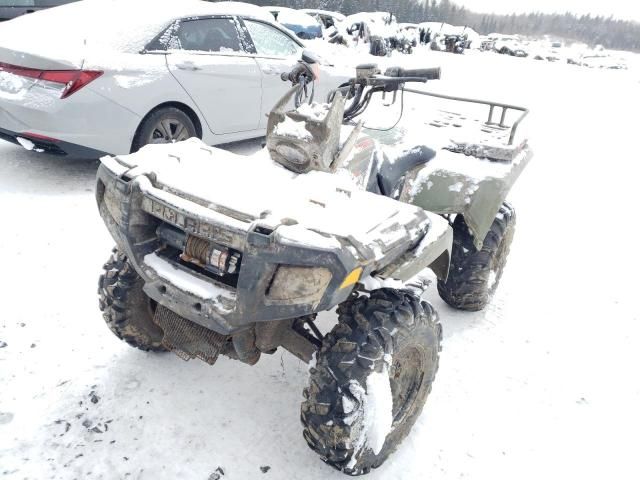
(391,172)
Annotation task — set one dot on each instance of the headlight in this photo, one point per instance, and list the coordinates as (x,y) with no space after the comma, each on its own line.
(298,285)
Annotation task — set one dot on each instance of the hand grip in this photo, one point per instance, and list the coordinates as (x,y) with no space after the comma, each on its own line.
(426,73)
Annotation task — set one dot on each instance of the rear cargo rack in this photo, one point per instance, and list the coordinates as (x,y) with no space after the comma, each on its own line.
(492,108)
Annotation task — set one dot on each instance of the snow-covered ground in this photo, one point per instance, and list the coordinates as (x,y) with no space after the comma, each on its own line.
(541,385)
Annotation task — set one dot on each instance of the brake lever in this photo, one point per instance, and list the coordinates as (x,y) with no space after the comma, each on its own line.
(393,101)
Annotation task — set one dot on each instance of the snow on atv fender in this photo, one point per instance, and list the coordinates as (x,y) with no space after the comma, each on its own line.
(227,240)
(471,172)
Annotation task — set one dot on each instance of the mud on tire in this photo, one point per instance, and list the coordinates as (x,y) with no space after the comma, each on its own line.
(391,334)
(126,309)
(474,274)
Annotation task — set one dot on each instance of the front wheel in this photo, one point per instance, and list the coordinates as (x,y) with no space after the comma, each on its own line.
(126,309)
(371,379)
(474,274)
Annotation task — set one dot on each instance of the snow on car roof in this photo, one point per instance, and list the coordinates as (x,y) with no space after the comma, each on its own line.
(312,11)
(66,32)
(289,16)
(381,17)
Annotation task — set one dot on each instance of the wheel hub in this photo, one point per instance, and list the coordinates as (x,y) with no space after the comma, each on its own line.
(169,131)
(406,376)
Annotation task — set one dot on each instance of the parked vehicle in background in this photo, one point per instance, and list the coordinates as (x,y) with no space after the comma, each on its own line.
(439,31)
(326,18)
(304,26)
(14,8)
(455,43)
(379,30)
(408,38)
(509,45)
(108,77)
(487,45)
(332,25)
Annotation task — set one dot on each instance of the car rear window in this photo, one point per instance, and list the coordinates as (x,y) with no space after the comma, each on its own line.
(207,35)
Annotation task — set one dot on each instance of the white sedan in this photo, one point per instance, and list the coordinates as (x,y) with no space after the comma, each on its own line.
(109,76)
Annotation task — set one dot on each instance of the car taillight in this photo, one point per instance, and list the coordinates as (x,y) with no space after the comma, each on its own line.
(73,80)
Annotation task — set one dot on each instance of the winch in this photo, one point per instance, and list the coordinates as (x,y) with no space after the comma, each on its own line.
(198,251)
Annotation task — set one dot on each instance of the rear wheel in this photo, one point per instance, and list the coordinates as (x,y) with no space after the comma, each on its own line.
(474,275)
(125,307)
(371,379)
(165,125)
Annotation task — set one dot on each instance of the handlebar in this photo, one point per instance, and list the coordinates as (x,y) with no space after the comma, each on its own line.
(360,89)
(422,73)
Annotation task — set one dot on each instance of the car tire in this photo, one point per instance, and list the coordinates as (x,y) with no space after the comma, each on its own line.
(389,336)
(474,275)
(164,125)
(127,310)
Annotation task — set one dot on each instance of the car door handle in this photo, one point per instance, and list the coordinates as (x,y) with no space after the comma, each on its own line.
(190,66)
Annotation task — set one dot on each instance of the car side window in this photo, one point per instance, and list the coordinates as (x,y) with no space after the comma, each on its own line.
(270,41)
(207,35)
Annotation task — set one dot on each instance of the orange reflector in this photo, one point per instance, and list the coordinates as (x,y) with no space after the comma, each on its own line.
(352,278)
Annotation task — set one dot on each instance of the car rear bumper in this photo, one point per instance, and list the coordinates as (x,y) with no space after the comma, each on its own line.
(86,122)
(52,146)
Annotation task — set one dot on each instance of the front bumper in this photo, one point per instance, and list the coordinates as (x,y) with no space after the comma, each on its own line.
(133,210)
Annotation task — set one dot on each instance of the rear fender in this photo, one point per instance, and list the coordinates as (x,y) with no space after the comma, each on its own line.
(478,198)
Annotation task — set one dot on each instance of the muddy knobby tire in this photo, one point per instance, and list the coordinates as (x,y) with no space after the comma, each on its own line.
(474,275)
(126,309)
(373,335)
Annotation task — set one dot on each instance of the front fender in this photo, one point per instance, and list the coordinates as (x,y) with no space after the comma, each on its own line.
(433,252)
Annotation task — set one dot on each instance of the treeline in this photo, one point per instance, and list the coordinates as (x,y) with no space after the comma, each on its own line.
(594,30)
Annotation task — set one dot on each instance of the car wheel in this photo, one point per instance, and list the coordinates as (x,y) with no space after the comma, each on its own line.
(165,125)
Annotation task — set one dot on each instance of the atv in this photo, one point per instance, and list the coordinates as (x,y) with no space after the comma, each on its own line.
(236,255)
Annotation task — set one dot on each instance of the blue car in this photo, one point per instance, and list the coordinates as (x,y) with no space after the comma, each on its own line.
(303,25)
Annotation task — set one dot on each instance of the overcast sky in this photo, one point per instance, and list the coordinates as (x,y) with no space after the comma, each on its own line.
(626,9)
